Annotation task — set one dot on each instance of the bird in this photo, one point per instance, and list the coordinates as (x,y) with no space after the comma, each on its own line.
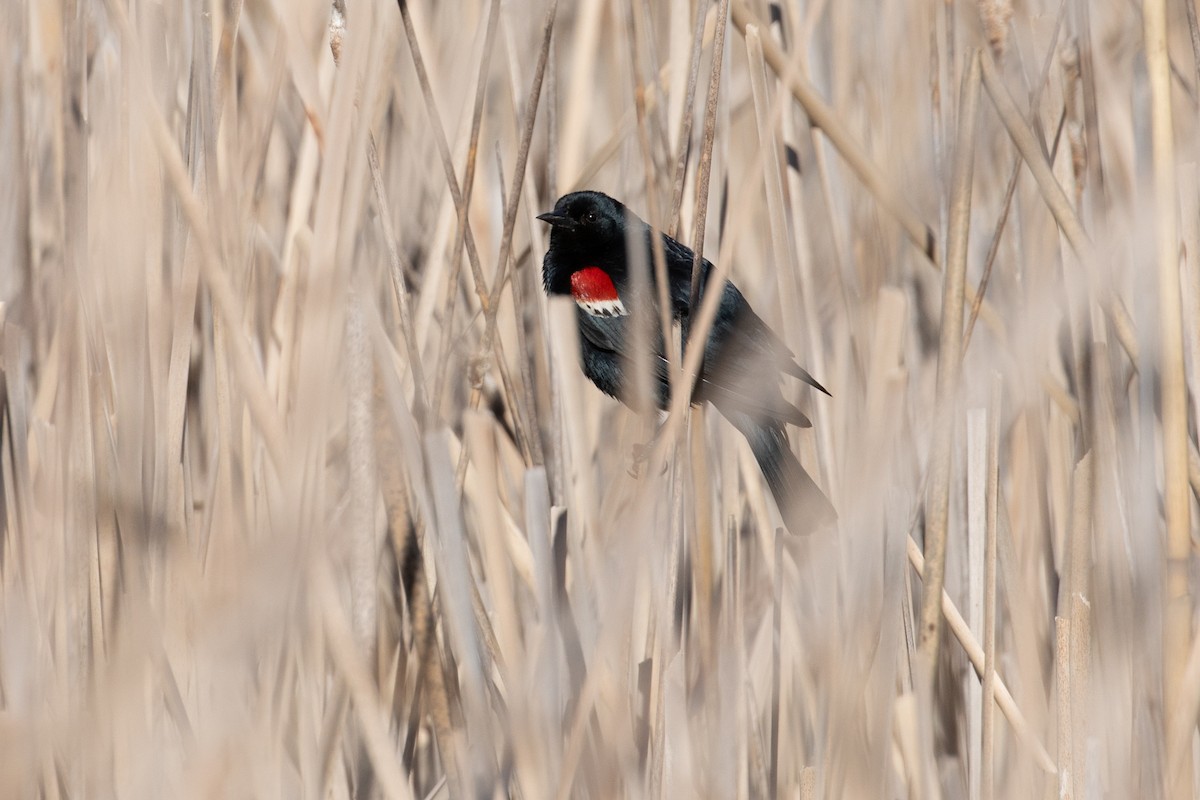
(591,235)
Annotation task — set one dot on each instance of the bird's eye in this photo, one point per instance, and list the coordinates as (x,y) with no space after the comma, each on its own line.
(590,218)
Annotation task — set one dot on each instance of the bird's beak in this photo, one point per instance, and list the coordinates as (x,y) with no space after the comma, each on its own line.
(559,221)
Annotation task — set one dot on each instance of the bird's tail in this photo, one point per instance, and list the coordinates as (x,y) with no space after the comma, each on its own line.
(804,507)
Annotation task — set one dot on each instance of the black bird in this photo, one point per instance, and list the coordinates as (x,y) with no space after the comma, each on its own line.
(743,358)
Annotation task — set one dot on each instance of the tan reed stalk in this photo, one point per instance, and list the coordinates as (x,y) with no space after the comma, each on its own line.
(962,632)
(1052,193)
(1062,690)
(1178,622)
(949,358)
(978,429)
(987,765)
(200,357)
(1082,701)
(824,117)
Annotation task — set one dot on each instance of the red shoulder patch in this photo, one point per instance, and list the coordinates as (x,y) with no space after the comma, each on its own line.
(592,284)
(596,293)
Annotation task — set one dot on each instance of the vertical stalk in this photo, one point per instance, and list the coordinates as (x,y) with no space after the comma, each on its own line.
(949,362)
(1173,389)
(988,716)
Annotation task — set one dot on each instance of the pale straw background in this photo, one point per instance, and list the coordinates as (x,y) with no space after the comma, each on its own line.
(256,378)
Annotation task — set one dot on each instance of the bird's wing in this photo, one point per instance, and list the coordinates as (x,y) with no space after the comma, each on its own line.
(741,375)
(609,338)
(767,405)
(743,359)
(767,344)
(750,336)
(606,333)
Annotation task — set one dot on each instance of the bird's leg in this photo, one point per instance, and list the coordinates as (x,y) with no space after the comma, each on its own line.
(640,452)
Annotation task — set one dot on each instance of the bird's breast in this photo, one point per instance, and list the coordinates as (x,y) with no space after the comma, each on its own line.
(595,292)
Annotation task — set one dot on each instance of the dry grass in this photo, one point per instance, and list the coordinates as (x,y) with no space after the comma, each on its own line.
(304,494)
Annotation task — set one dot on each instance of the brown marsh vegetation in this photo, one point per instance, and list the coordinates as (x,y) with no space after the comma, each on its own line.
(304,494)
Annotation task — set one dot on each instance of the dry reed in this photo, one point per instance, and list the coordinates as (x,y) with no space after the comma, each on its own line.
(304,494)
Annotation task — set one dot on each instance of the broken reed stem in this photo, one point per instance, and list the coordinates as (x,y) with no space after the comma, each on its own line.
(808,783)
(1177,632)
(949,364)
(1079,545)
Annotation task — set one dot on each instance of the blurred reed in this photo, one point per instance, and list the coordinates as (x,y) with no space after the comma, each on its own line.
(304,494)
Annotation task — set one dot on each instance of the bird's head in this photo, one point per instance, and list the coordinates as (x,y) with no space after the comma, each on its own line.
(587,229)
